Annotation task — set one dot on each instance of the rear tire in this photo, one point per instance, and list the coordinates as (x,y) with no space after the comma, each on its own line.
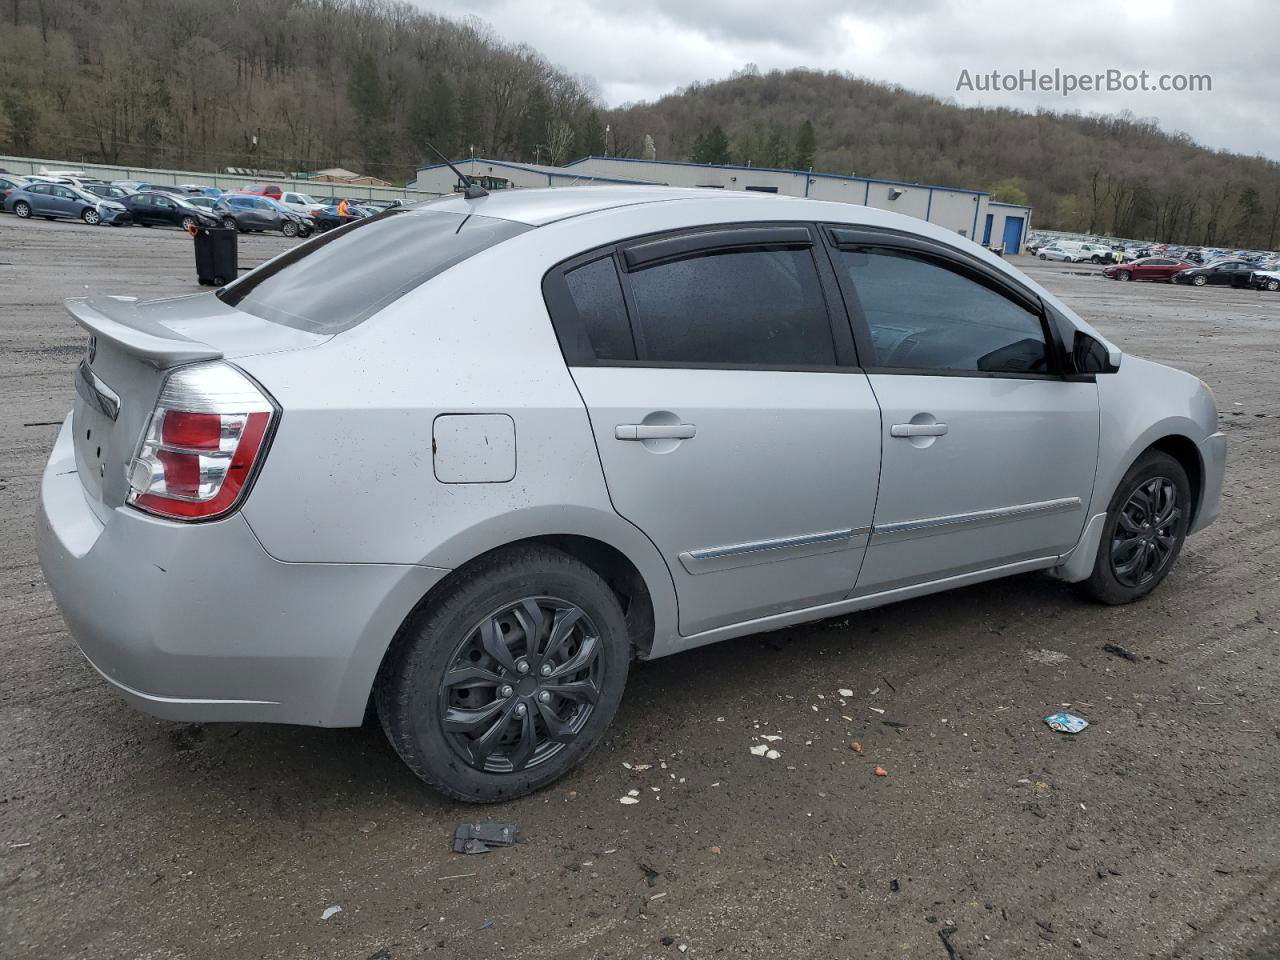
(1043,257)
(22,209)
(1273,285)
(1146,526)
(518,741)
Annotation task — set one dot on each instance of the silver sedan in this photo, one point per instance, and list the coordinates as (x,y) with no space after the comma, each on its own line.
(469,459)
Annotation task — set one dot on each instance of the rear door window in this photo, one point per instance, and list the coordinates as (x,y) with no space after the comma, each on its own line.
(343,277)
(757,307)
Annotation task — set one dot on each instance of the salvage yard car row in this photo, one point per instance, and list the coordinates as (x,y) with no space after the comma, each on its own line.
(257,208)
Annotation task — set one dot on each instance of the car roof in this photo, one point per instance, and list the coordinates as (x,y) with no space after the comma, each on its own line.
(542,205)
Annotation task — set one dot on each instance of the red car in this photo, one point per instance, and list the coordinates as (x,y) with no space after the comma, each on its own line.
(1148,268)
(263,190)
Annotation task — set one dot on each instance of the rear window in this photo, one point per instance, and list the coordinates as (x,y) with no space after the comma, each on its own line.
(342,278)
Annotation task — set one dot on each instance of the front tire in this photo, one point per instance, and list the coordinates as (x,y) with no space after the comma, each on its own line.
(1044,256)
(289,229)
(1198,281)
(509,678)
(1124,275)
(188,224)
(1146,526)
(91,217)
(228,223)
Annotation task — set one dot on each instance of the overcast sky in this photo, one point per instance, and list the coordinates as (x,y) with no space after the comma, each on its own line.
(641,49)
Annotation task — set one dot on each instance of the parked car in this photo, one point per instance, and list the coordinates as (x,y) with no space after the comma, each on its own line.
(272,190)
(247,213)
(61,201)
(108,191)
(200,190)
(1220,273)
(8,183)
(327,218)
(300,203)
(348,413)
(1265,280)
(1064,250)
(1148,268)
(204,203)
(165,210)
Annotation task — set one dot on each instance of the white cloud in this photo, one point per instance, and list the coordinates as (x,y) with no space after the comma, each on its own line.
(641,49)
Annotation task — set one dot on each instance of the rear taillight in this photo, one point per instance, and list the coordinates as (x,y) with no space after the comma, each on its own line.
(208,432)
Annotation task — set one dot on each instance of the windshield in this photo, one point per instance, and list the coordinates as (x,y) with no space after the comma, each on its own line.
(343,277)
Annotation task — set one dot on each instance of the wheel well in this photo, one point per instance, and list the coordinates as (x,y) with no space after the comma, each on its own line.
(1185,452)
(610,563)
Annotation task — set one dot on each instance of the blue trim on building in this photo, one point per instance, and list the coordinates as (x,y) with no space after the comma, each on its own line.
(797,173)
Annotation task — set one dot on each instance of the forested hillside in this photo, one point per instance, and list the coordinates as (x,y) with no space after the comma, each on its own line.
(1117,175)
(356,83)
(305,84)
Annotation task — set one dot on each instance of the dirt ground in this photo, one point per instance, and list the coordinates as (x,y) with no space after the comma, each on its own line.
(1154,833)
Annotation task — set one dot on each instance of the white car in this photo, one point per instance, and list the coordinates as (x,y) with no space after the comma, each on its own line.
(300,203)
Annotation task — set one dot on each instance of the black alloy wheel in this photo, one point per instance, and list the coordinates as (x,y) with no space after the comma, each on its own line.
(1146,533)
(522,685)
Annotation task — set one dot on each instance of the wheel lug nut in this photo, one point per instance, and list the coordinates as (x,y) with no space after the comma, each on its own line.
(522,665)
(546,670)
(520,708)
(506,690)
(544,696)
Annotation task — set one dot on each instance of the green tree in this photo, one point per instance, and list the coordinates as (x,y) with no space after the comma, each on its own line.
(711,147)
(1011,190)
(806,150)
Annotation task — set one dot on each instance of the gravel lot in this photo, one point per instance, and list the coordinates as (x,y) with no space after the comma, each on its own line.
(1155,833)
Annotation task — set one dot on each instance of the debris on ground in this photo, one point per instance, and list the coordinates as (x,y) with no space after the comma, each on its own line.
(483,837)
(628,800)
(894,886)
(945,934)
(1065,722)
(845,692)
(1048,658)
(651,874)
(760,749)
(856,747)
(881,772)
(330,912)
(1118,651)
(895,724)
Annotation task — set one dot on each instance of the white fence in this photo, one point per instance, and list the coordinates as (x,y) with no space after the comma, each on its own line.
(223,181)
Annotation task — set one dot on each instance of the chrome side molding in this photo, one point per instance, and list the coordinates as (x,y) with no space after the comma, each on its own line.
(911,529)
(767,551)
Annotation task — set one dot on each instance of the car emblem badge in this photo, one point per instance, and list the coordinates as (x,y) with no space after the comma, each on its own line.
(93,348)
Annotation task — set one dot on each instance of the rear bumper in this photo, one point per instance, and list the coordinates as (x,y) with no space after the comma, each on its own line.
(197,622)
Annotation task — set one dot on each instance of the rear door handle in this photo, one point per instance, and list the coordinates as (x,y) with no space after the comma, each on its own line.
(918,430)
(654,431)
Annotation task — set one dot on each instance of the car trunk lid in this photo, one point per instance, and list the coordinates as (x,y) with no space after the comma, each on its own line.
(132,345)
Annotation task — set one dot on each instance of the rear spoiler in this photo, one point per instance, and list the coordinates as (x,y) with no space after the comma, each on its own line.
(118,320)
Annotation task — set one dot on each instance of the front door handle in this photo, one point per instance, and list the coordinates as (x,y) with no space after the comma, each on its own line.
(654,431)
(918,430)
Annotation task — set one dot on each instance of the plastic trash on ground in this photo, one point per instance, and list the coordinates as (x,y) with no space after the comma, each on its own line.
(1065,722)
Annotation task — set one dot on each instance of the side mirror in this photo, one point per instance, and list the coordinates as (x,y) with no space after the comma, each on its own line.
(1089,355)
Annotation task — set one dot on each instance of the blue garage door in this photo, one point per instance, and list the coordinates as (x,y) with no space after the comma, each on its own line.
(1012,235)
(986,231)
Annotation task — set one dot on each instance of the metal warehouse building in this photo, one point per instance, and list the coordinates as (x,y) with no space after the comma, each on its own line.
(970,213)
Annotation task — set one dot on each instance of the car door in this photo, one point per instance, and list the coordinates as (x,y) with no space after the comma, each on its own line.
(733,425)
(989,453)
(164,210)
(63,203)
